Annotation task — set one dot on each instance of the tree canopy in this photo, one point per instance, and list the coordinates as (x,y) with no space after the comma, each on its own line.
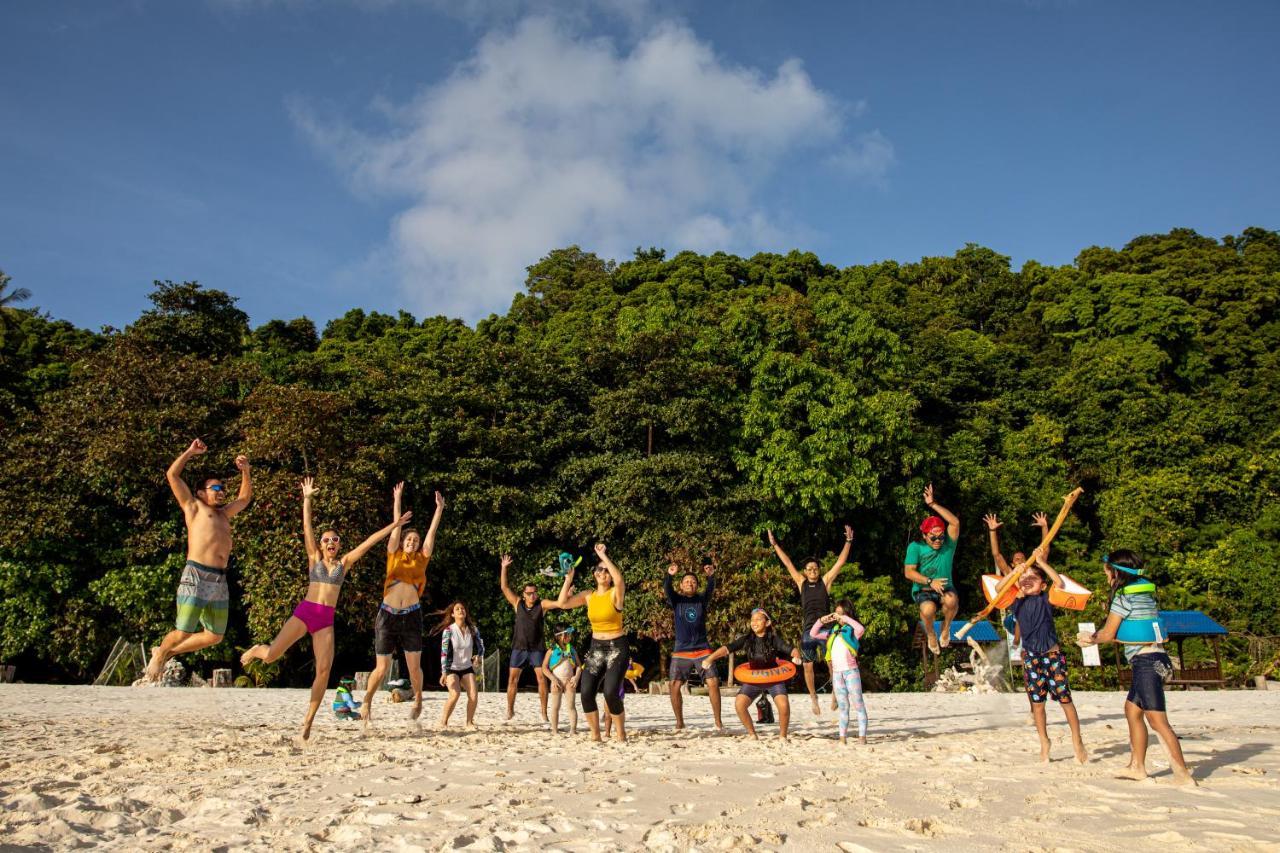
(673,407)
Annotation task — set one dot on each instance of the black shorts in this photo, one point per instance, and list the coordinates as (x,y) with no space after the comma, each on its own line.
(690,669)
(461,672)
(812,649)
(401,631)
(932,595)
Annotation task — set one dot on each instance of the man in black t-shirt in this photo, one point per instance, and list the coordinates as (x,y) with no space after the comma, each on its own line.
(689,609)
(527,644)
(815,602)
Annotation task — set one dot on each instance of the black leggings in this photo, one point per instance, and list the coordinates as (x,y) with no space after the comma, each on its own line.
(605,665)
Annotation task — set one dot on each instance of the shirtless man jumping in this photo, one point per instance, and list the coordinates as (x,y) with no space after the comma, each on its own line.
(202,592)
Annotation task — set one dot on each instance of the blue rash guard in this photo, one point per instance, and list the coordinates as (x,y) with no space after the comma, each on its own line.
(690,615)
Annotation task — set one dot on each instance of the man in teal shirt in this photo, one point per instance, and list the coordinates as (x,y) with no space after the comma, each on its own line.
(928,567)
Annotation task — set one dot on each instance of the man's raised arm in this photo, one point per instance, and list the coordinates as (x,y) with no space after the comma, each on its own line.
(246,488)
(174,475)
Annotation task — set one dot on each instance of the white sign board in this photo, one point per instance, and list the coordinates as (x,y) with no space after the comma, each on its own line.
(1090,653)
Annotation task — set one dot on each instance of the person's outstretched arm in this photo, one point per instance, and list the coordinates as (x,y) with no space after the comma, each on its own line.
(619,585)
(816,631)
(429,543)
(507,593)
(953,522)
(393,541)
(786,561)
(245,496)
(354,555)
(1039,519)
(668,591)
(308,534)
(1048,569)
(830,577)
(568,599)
(174,475)
(993,525)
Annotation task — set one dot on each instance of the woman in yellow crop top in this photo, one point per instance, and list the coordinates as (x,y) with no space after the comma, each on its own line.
(399,620)
(606,661)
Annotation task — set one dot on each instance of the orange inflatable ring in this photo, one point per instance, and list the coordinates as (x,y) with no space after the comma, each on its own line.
(784,670)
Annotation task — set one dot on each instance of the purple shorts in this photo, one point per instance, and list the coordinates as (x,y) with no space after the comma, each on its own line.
(315,616)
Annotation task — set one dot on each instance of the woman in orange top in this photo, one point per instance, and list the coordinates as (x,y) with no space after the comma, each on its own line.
(607,659)
(399,620)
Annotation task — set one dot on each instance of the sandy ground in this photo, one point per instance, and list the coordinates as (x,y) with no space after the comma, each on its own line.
(192,768)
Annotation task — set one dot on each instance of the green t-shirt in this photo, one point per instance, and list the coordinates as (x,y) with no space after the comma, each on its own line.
(930,563)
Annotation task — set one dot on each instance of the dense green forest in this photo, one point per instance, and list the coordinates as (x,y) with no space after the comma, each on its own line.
(671,407)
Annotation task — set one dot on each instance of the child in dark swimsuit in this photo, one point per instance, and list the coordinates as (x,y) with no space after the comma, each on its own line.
(763,647)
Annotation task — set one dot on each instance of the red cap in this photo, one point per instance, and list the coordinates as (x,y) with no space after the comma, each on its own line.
(933,522)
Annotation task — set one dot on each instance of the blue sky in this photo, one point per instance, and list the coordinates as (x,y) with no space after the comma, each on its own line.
(310,156)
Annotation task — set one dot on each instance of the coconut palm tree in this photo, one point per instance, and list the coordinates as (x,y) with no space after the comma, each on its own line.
(8,313)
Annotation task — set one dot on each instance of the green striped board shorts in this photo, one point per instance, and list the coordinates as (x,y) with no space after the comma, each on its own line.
(202,599)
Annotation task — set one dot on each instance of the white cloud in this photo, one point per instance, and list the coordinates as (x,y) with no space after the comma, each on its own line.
(543,138)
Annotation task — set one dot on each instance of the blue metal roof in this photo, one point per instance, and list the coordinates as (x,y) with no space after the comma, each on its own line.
(1190,623)
(982,632)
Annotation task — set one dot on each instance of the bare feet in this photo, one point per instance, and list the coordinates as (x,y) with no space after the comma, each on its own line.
(1137,774)
(933,645)
(155,667)
(862,739)
(1044,752)
(416,711)
(306,731)
(471,727)
(817,709)
(1182,776)
(250,653)
(679,726)
(1082,754)
(844,741)
(946,636)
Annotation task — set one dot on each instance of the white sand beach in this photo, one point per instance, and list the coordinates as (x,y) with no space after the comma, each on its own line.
(193,768)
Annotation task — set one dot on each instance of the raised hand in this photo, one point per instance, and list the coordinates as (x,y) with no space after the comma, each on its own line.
(601,551)
(928,495)
(848,533)
(772,541)
(404,519)
(1039,519)
(397,490)
(993,523)
(709,569)
(506,562)
(439,501)
(197,447)
(309,487)
(242,462)
(672,569)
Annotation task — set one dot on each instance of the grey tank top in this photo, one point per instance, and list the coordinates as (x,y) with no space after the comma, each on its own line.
(320,573)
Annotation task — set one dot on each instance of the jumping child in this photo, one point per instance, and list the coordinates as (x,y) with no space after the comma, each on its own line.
(1044,666)
(560,668)
(460,646)
(842,653)
(763,647)
(1134,621)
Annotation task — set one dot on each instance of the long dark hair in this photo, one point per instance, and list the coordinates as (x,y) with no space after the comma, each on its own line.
(1124,559)
(847,606)
(447,613)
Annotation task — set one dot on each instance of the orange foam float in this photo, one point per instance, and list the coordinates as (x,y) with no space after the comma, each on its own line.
(785,670)
(1070,596)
